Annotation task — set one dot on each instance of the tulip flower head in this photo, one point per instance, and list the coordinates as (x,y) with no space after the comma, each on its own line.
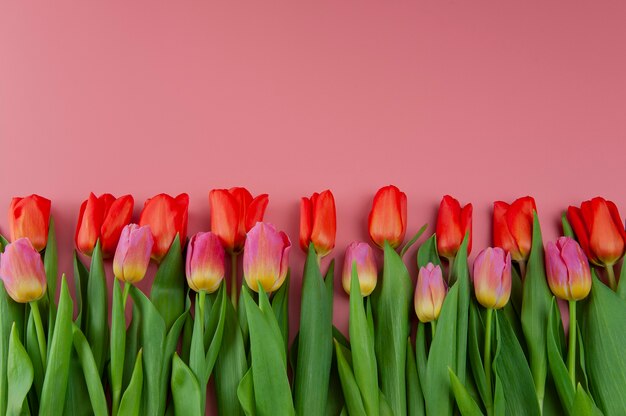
(205,262)
(599,230)
(567,269)
(233,213)
(430,293)
(513,226)
(102,218)
(29,217)
(452,224)
(132,256)
(318,223)
(22,271)
(166,217)
(492,277)
(266,257)
(387,219)
(361,255)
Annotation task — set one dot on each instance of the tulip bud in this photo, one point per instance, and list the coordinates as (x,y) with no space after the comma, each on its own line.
(266,257)
(513,226)
(387,220)
(492,277)
(132,256)
(567,268)
(205,262)
(362,255)
(102,218)
(318,223)
(166,217)
(22,271)
(233,213)
(29,217)
(599,230)
(430,293)
(452,224)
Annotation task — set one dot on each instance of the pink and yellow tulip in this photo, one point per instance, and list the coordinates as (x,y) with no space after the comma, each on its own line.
(492,277)
(266,257)
(132,256)
(205,262)
(22,271)
(430,293)
(362,255)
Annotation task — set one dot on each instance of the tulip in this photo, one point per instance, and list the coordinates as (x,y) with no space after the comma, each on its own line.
(30,217)
(233,213)
(453,222)
(361,255)
(318,223)
(205,262)
(166,217)
(567,268)
(492,278)
(266,257)
(429,293)
(22,271)
(132,256)
(387,220)
(513,227)
(102,218)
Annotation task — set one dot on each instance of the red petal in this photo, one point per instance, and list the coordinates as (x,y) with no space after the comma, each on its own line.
(519,218)
(118,215)
(502,237)
(575,218)
(224,217)
(305,223)
(448,230)
(324,222)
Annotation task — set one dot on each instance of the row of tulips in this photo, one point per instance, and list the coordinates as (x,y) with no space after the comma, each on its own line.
(488,342)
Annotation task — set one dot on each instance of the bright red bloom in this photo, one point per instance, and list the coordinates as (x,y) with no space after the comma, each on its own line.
(513,226)
(29,217)
(166,217)
(102,218)
(387,220)
(452,224)
(599,229)
(318,222)
(233,213)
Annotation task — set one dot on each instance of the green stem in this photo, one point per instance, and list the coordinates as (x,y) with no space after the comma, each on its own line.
(611,275)
(433,325)
(233,279)
(487,363)
(125,293)
(450,269)
(41,337)
(522,269)
(571,350)
(201,298)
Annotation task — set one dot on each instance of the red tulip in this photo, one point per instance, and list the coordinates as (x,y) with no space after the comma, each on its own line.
(387,220)
(599,230)
(452,224)
(513,226)
(29,217)
(318,223)
(166,217)
(233,213)
(102,218)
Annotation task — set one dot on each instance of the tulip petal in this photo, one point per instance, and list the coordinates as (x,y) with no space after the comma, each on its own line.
(224,217)
(606,239)
(448,230)
(29,217)
(324,223)
(306,218)
(255,211)
(117,216)
(519,219)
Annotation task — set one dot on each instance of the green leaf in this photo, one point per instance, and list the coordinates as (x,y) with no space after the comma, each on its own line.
(604,320)
(583,404)
(10,312)
(269,365)
(413,240)
(558,369)
(567,228)
(90,371)
(351,391)
(19,374)
(168,289)
(32,347)
(476,333)
(415,397)
(118,345)
(56,378)
(511,368)
(391,307)
(51,262)
(535,311)
(427,253)
(460,275)
(467,405)
(621,284)
(81,279)
(75,403)
(420,352)
(185,389)
(245,393)
(196,355)
(132,344)
(363,355)
(218,315)
(171,342)
(96,325)
(280,305)
(131,400)
(316,333)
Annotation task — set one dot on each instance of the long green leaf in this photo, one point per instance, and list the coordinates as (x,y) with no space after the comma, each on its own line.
(351,391)
(90,371)
(118,345)
(217,313)
(10,312)
(475,334)
(280,306)
(245,393)
(168,289)
(558,369)
(467,405)
(132,399)
(460,275)
(427,252)
(19,374)
(96,325)
(415,397)
(32,347)
(171,342)
(81,277)
(185,389)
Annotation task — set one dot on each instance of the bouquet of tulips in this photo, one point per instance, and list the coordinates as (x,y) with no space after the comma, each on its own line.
(529,329)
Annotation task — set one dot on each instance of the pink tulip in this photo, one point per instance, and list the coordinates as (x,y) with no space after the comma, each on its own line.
(132,256)
(430,293)
(266,257)
(362,255)
(492,277)
(22,271)
(205,262)
(567,268)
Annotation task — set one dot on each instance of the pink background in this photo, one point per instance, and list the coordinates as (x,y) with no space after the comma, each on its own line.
(484,100)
